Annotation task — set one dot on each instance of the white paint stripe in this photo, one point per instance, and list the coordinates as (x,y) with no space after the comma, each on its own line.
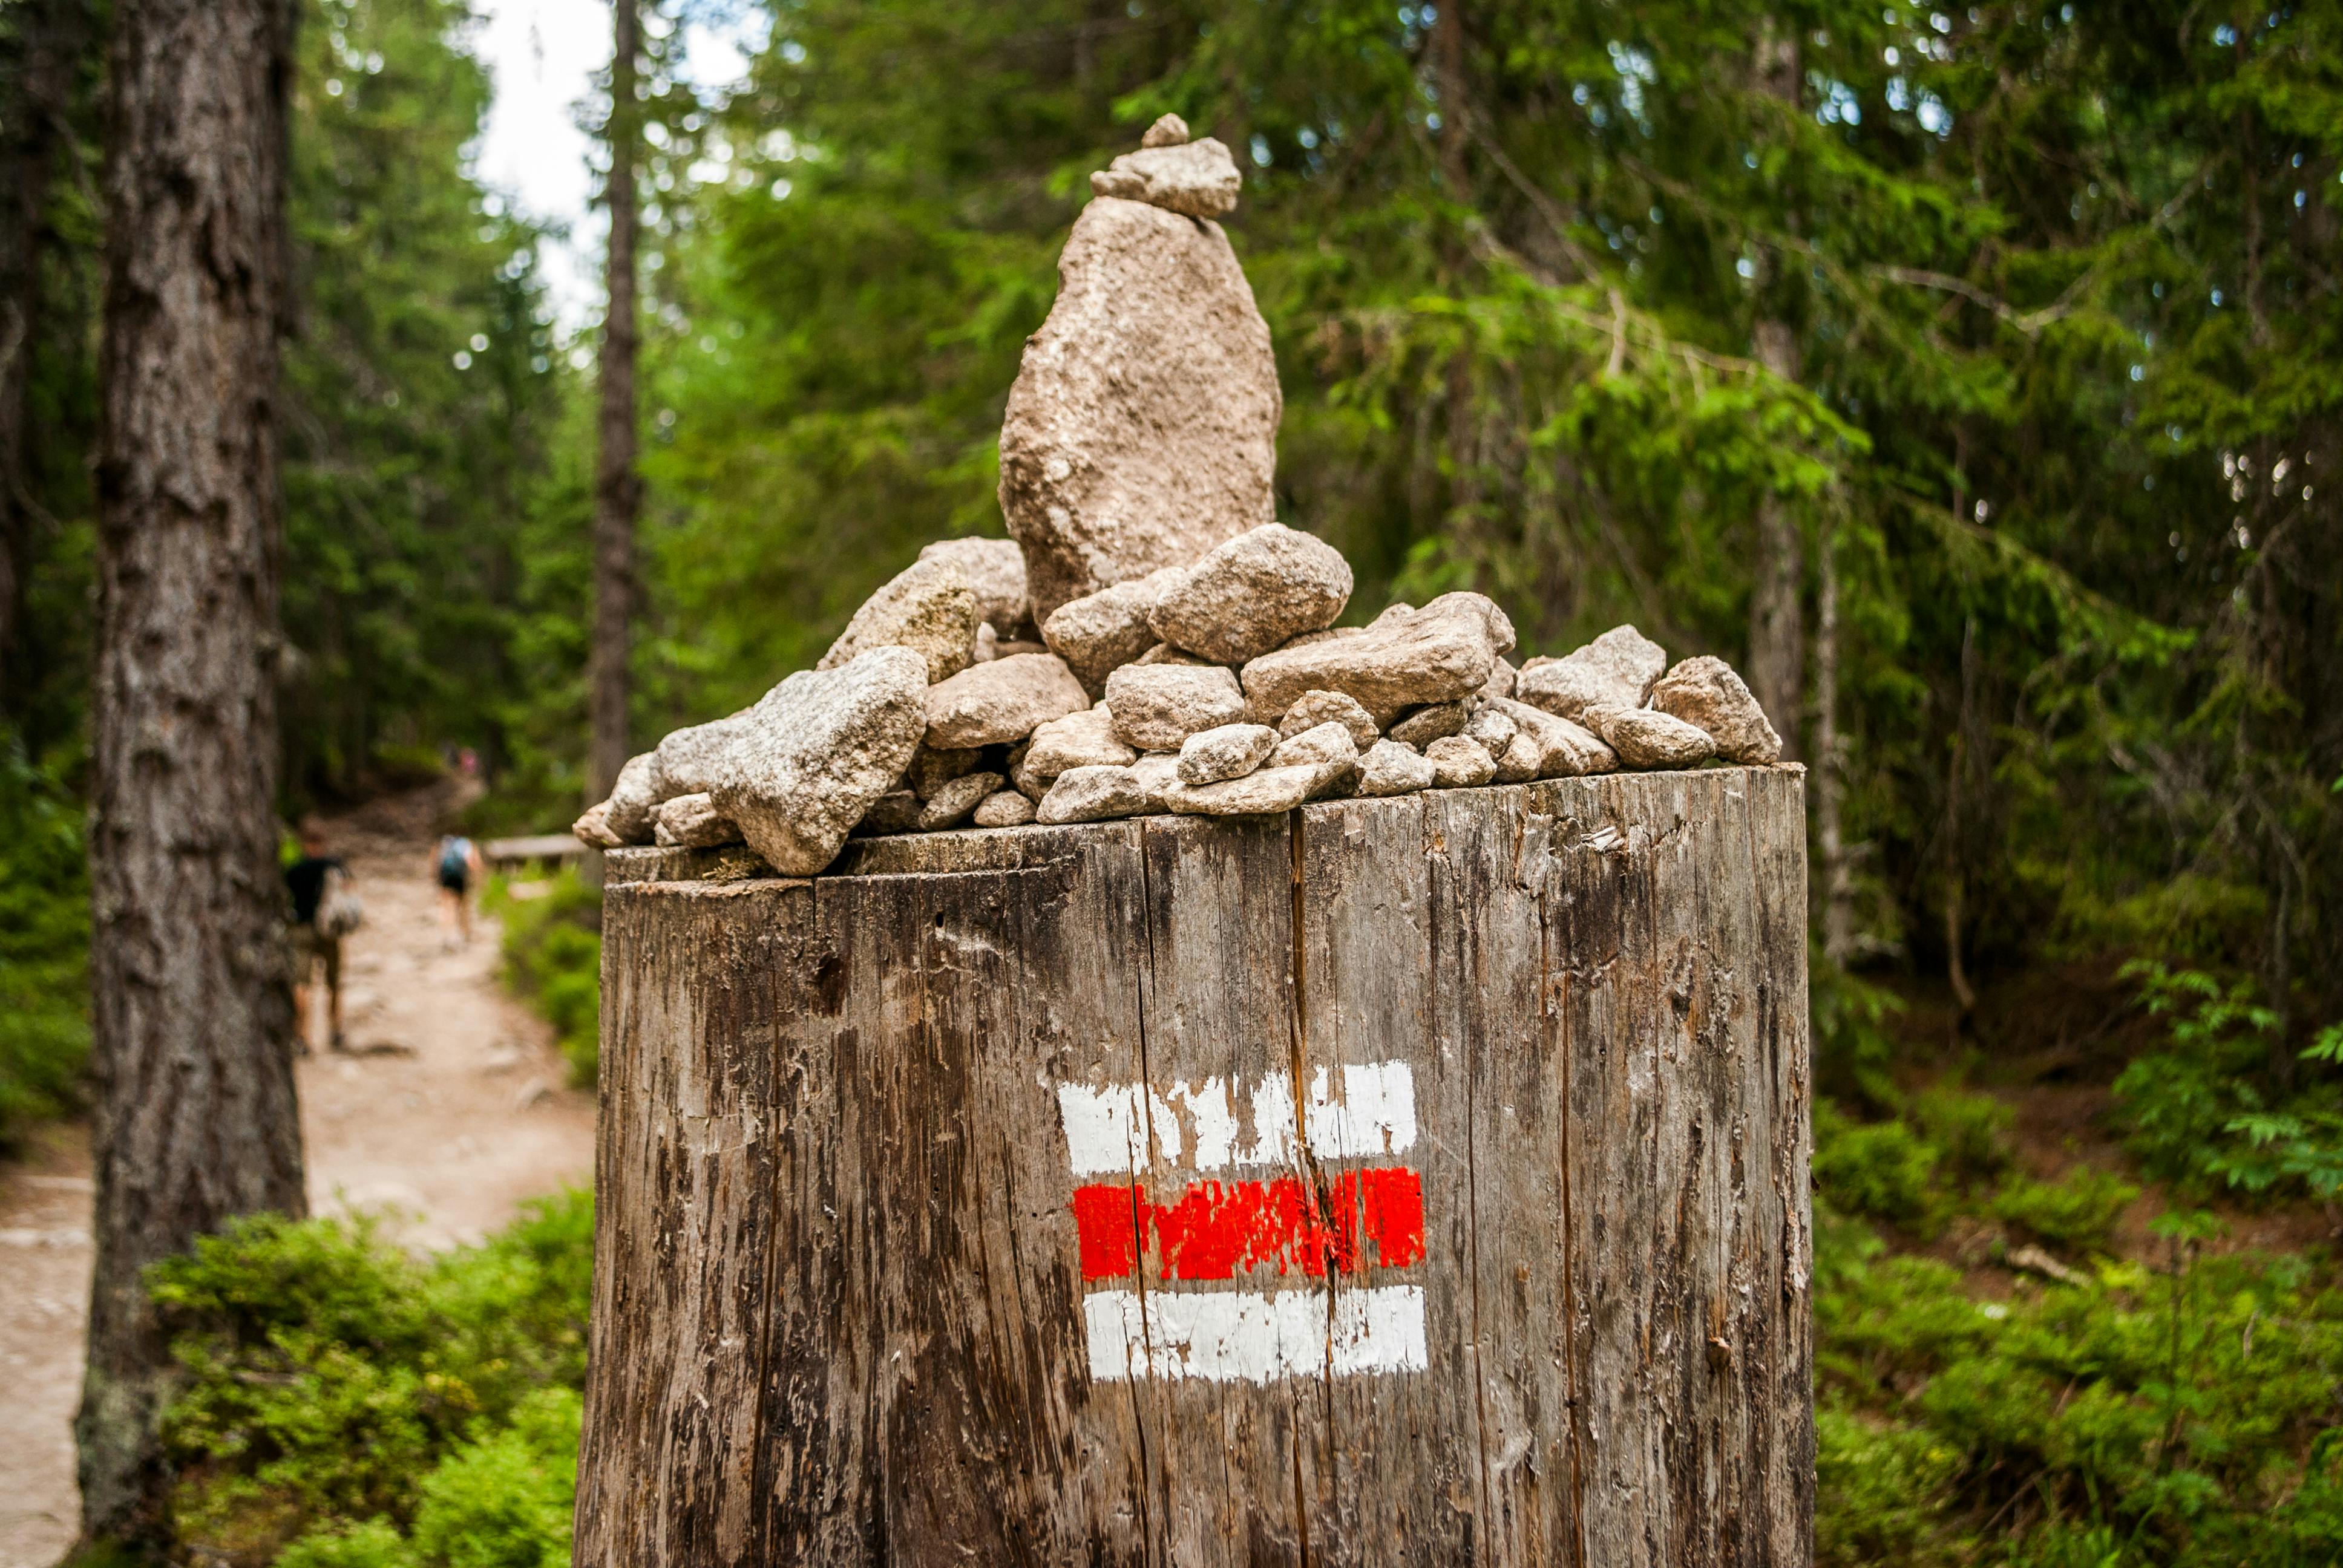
(1230,1336)
(1375,1116)
(1107,1131)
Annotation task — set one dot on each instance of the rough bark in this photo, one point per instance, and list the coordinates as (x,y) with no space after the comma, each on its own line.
(41,60)
(1777,614)
(192,1015)
(618,490)
(839,1312)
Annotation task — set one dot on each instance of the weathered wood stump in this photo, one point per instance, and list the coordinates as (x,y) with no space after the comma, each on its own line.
(1419,1180)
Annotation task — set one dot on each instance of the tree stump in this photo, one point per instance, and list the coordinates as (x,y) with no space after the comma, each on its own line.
(1419,1180)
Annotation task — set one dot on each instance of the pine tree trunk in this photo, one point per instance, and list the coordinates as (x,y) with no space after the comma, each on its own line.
(1777,633)
(40,58)
(197,1121)
(618,492)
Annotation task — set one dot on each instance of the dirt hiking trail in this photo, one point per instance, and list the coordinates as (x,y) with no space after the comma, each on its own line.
(452,1111)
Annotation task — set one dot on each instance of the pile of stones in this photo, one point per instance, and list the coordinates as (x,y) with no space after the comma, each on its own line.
(1149,639)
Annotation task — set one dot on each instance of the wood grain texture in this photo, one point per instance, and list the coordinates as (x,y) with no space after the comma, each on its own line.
(839,1310)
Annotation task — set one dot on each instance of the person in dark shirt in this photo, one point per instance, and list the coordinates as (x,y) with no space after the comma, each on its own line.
(312,948)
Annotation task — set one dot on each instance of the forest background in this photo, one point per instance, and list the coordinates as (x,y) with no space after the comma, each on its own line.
(1968,376)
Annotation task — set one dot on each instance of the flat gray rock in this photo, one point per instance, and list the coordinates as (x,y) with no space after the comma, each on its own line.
(690,758)
(931,769)
(1332,632)
(1084,739)
(995,573)
(634,798)
(1421,726)
(1328,743)
(1437,654)
(1155,772)
(1164,653)
(1501,679)
(1645,738)
(1199,179)
(693,822)
(957,801)
(1158,706)
(1492,727)
(1706,692)
(928,607)
(1005,700)
(814,755)
(1228,752)
(896,811)
(1313,709)
(1394,768)
(1458,763)
(1251,594)
(1519,762)
(1004,809)
(1168,131)
(1099,633)
(1567,750)
(1265,791)
(593,828)
(1500,624)
(1092,795)
(1615,670)
(1142,428)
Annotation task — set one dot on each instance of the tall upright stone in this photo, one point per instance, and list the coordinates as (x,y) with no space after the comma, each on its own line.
(1142,428)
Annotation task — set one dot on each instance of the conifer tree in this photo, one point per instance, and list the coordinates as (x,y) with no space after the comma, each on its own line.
(195,1120)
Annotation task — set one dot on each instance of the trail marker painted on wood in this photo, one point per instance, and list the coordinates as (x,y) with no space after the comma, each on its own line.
(1403,1181)
(1217,1233)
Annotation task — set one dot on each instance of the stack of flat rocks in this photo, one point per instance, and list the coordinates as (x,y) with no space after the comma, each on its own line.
(1149,638)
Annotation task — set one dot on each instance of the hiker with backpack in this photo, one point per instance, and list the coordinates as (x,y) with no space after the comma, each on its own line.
(325,910)
(456,864)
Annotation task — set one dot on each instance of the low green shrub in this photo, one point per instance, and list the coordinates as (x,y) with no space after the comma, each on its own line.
(2182,1418)
(1971,1133)
(44,944)
(347,1404)
(553,957)
(1881,1170)
(2205,1115)
(2075,1213)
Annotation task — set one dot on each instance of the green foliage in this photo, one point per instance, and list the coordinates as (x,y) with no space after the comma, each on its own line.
(44,943)
(342,1394)
(1884,1170)
(553,957)
(2077,1212)
(2171,1417)
(2208,1113)
(424,393)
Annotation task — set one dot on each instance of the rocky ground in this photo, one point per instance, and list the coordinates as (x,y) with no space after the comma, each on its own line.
(453,1111)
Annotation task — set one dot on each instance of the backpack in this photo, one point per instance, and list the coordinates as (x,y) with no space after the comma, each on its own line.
(339,912)
(455,857)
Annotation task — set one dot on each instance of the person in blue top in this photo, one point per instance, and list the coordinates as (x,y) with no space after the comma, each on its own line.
(456,864)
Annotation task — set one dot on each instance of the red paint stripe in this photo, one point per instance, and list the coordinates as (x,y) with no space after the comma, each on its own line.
(1221,1229)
